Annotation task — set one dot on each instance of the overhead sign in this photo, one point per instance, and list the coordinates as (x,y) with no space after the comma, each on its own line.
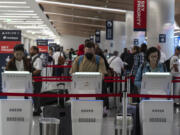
(8,39)
(98,36)
(136,42)
(109,30)
(42,45)
(177,41)
(92,38)
(140,15)
(162,38)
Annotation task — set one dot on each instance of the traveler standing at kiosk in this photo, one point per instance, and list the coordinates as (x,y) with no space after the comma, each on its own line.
(152,65)
(89,62)
(36,63)
(19,62)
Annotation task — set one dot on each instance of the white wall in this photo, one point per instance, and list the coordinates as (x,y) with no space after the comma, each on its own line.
(119,40)
(68,41)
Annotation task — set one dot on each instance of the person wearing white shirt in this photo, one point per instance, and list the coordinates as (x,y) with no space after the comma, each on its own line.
(36,71)
(163,57)
(174,62)
(59,52)
(116,63)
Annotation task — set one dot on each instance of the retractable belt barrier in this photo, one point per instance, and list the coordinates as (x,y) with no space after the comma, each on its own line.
(59,66)
(89,95)
(106,79)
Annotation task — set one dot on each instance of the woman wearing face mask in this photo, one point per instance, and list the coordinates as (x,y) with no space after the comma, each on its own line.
(152,65)
(18,62)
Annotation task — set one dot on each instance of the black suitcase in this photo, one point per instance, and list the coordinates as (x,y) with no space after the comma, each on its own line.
(64,114)
(134,111)
(60,111)
(50,101)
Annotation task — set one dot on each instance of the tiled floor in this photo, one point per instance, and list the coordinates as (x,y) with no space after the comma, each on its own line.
(108,124)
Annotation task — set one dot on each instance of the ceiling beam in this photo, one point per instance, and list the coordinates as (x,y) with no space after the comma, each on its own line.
(79,17)
(75,34)
(79,6)
(85,13)
(76,20)
(59,23)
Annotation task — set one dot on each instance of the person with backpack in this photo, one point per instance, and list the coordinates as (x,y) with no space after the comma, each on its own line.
(89,62)
(151,65)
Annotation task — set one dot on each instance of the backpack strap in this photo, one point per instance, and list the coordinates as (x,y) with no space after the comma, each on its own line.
(80,60)
(97,62)
(35,59)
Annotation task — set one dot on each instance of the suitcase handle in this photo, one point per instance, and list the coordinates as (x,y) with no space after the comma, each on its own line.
(63,84)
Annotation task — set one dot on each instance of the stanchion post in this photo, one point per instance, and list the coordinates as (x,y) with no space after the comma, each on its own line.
(124,108)
(129,89)
(114,91)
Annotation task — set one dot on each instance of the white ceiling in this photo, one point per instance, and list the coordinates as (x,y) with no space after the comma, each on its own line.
(27,16)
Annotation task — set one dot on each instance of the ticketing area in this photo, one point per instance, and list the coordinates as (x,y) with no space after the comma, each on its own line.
(97,67)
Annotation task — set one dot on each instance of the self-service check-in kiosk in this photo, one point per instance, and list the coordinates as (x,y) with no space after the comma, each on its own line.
(86,113)
(16,112)
(156,115)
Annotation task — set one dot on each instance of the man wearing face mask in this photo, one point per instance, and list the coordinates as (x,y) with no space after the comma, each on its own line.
(89,62)
(19,62)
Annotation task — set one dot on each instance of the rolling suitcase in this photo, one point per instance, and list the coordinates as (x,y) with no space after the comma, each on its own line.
(64,114)
(134,111)
(53,100)
(60,111)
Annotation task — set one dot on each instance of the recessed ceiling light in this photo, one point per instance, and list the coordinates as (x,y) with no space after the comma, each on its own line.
(16,11)
(14,7)
(13,2)
(18,14)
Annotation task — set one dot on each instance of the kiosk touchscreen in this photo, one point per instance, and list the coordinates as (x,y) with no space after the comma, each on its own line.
(17,82)
(86,83)
(156,83)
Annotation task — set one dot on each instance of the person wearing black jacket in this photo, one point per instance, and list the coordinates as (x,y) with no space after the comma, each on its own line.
(19,62)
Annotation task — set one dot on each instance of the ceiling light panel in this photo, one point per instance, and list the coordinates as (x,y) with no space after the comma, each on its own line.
(16,11)
(19,14)
(13,2)
(1,6)
(25,15)
(82,6)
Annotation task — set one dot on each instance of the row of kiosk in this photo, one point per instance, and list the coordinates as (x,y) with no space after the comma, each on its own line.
(156,115)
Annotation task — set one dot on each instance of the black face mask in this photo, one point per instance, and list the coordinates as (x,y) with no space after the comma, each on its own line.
(89,56)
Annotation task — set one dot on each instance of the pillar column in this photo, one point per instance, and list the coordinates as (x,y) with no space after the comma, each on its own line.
(160,20)
(119,41)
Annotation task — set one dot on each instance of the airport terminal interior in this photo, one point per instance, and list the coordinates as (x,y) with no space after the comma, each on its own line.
(89,67)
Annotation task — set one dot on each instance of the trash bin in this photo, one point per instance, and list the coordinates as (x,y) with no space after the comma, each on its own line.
(49,126)
(119,124)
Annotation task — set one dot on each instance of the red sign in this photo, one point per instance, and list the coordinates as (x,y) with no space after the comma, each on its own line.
(140,7)
(8,46)
(43,49)
(8,39)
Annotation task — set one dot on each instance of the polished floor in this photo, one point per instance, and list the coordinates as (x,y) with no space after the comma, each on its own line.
(108,124)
